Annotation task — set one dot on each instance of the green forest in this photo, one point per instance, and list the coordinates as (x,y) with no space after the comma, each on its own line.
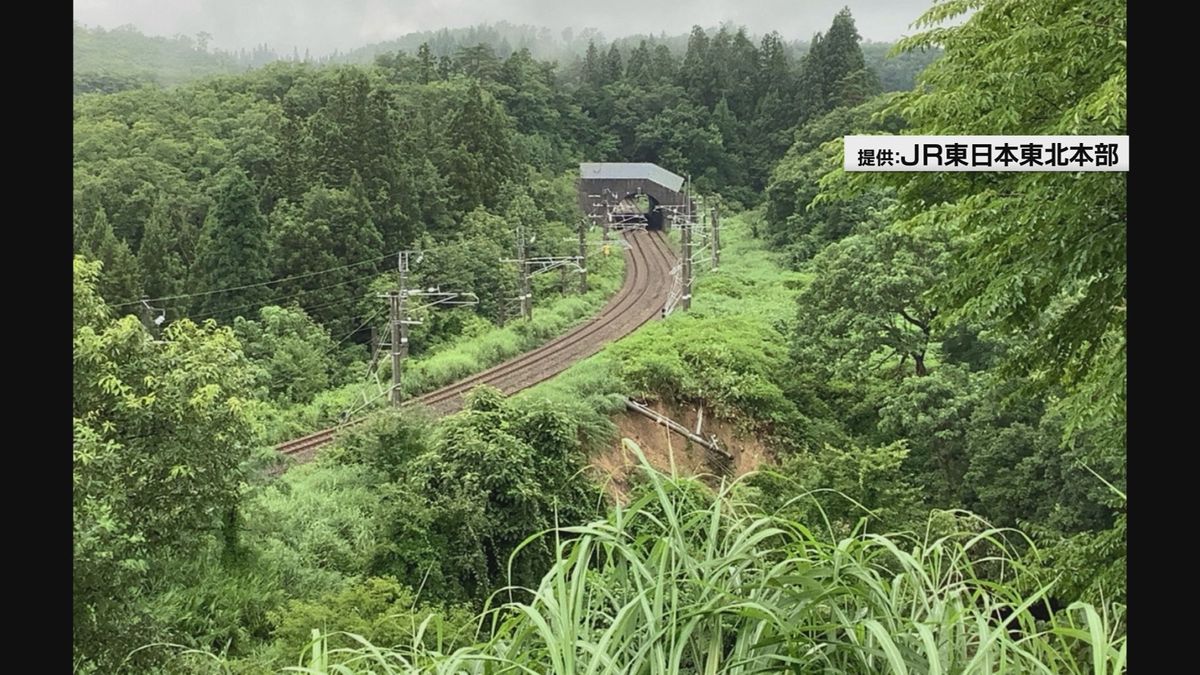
(934,362)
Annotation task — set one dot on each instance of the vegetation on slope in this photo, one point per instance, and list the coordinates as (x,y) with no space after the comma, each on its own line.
(684,580)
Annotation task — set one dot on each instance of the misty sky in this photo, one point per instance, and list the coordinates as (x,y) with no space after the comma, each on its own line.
(323,25)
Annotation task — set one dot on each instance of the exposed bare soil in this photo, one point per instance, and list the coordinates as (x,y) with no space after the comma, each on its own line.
(668,451)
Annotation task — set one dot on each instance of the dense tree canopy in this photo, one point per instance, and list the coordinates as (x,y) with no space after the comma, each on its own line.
(1044,253)
(232,251)
(1026,288)
(159,433)
(344,164)
(800,215)
(868,300)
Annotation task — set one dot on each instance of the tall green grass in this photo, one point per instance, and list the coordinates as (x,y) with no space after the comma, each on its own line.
(686,581)
(465,358)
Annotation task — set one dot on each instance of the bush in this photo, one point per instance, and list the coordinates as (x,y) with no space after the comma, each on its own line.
(378,610)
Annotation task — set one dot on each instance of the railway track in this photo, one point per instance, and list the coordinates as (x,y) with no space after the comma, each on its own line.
(647,282)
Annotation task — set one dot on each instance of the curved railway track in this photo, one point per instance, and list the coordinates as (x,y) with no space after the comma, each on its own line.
(647,282)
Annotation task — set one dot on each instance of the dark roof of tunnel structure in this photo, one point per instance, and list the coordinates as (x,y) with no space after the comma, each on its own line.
(631,171)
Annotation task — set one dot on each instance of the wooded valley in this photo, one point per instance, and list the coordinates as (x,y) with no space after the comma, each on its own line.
(930,366)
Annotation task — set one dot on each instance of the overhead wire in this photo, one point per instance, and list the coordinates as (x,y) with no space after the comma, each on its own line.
(339,342)
(274,300)
(435,249)
(254,285)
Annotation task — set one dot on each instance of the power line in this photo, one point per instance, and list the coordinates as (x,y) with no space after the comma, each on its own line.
(333,304)
(275,300)
(280,299)
(369,319)
(255,285)
(181,296)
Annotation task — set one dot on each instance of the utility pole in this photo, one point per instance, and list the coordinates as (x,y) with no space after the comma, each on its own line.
(523,270)
(583,224)
(602,218)
(608,209)
(716,238)
(399,320)
(685,237)
(399,317)
(396,314)
(687,198)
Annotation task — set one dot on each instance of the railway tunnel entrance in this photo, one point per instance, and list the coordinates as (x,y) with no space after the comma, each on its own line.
(630,195)
(638,209)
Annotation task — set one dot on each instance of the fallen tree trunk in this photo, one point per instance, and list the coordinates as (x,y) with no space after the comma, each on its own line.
(707,443)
